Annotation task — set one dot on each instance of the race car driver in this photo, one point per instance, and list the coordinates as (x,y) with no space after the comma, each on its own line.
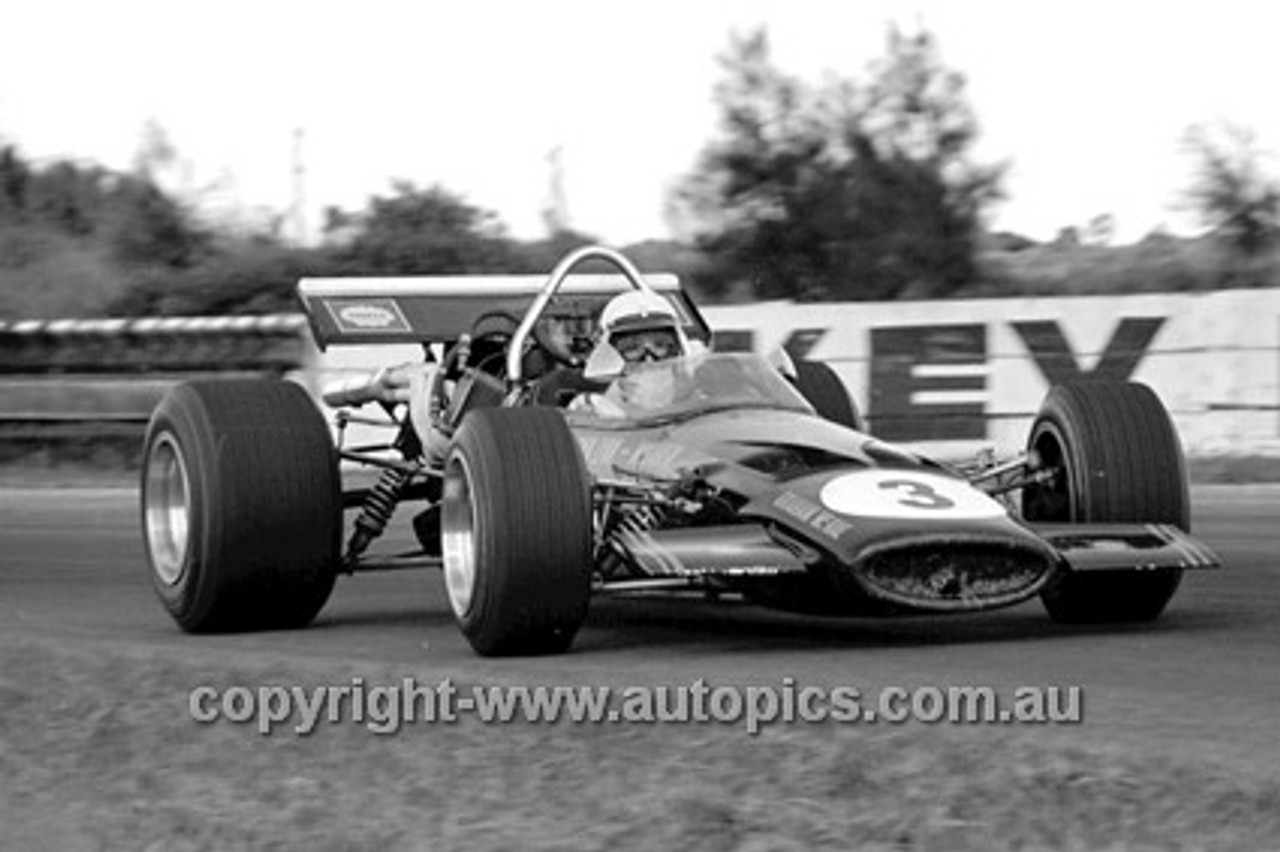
(636,328)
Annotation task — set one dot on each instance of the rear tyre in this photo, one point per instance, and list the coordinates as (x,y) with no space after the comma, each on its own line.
(241,505)
(1119,461)
(516,530)
(820,385)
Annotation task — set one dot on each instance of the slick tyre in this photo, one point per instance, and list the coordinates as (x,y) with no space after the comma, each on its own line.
(1119,460)
(516,531)
(820,385)
(241,505)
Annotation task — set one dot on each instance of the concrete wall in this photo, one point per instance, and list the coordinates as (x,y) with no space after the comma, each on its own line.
(950,377)
(958,375)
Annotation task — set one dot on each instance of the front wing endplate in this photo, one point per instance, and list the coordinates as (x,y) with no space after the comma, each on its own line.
(1119,547)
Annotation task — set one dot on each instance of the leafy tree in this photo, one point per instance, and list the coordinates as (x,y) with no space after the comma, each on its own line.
(542,255)
(67,196)
(416,231)
(155,153)
(15,177)
(148,227)
(1231,191)
(129,213)
(842,191)
(245,276)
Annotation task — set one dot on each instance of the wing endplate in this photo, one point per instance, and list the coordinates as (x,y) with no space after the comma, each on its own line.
(1119,547)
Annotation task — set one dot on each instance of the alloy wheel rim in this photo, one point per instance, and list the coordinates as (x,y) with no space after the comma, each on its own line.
(457,536)
(167,502)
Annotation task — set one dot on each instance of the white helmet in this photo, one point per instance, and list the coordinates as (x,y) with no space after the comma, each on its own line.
(627,313)
(636,310)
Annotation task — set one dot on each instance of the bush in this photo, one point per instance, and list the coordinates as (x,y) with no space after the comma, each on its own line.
(46,273)
(250,278)
(1158,264)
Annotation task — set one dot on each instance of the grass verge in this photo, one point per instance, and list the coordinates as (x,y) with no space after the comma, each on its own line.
(98,750)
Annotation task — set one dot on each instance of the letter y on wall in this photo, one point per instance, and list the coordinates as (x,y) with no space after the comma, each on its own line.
(1057,362)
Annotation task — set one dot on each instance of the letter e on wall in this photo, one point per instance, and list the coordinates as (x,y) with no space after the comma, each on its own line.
(929,382)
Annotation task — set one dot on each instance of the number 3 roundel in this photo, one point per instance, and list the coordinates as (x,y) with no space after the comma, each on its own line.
(907,494)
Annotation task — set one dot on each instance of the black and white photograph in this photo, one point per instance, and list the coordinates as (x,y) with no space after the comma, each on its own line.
(714,425)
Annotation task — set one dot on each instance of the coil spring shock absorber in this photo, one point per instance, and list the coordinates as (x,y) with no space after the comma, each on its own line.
(640,520)
(376,512)
(631,530)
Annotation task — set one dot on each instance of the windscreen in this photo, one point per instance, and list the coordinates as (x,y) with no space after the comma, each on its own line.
(684,387)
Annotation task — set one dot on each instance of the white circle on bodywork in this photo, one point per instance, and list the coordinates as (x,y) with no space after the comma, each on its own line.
(907,494)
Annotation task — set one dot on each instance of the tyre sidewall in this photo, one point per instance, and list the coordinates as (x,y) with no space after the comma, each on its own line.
(264,505)
(1099,489)
(472,461)
(1080,436)
(523,602)
(189,599)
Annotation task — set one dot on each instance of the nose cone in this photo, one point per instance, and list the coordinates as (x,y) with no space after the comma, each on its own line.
(915,538)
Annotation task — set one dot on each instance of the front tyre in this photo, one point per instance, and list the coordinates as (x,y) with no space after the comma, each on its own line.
(1119,460)
(516,531)
(241,505)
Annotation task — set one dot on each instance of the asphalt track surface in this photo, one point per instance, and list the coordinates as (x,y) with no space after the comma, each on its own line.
(1202,683)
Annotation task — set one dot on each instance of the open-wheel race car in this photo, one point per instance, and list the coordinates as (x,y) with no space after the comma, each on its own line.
(538,479)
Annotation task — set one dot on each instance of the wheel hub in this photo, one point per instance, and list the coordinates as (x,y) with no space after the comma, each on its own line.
(167,506)
(457,536)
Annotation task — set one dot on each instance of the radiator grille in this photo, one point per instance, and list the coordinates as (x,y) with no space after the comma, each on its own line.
(956,576)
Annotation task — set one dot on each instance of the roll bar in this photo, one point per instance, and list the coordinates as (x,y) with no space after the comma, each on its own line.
(515,348)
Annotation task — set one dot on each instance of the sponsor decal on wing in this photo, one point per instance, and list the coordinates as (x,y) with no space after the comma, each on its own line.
(367,315)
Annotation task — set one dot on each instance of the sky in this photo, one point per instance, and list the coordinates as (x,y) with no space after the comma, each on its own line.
(1086,101)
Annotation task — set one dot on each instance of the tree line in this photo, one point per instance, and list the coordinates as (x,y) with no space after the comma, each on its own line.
(852,189)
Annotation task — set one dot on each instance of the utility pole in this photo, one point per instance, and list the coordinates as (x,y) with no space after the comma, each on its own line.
(298,213)
(555,214)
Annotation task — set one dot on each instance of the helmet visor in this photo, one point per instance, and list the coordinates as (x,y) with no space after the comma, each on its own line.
(654,344)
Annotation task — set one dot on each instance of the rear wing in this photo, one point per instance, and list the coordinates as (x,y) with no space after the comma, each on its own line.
(434,309)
